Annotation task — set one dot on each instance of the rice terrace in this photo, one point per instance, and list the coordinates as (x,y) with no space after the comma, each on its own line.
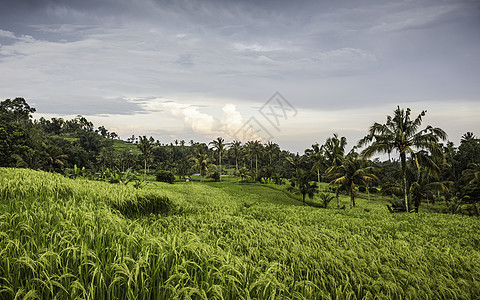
(85,215)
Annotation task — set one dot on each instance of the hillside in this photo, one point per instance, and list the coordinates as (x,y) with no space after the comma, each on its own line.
(71,239)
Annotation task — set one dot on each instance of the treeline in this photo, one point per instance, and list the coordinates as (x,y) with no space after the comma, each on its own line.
(423,167)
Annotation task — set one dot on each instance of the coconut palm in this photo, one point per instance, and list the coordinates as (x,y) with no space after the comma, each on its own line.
(219,146)
(236,148)
(146,146)
(401,134)
(350,174)
(425,186)
(272,149)
(202,161)
(296,161)
(316,156)
(304,185)
(334,151)
(255,150)
(472,173)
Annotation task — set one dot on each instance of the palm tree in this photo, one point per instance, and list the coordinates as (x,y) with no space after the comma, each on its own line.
(402,134)
(317,157)
(255,149)
(202,161)
(236,148)
(326,198)
(272,149)
(296,161)
(467,137)
(304,186)
(219,146)
(145,145)
(472,173)
(351,173)
(425,185)
(334,151)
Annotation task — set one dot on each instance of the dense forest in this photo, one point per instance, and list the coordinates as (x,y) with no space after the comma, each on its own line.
(423,166)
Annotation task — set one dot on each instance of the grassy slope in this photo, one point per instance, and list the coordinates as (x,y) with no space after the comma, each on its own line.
(120,146)
(61,237)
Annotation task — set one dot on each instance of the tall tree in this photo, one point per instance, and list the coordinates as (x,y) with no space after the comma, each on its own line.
(219,146)
(255,149)
(16,142)
(316,156)
(401,134)
(334,151)
(146,146)
(236,148)
(350,174)
(304,184)
(202,161)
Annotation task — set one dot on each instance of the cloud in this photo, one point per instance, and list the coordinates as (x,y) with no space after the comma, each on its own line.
(231,120)
(7,34)
(200,123)
(344,57)
(411,18)
(85,105)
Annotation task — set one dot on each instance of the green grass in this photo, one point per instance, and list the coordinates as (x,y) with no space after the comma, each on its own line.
(120,146)
(66,239)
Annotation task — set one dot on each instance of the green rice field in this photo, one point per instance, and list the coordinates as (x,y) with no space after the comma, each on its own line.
(78,239)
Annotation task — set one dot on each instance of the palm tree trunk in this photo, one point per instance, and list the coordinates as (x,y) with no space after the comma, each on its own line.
(145,173)
(368,192)
(236,168)
(304,199)
(318,178)
(256,167)
(352,200)
(220,160)
(404,175)
(338,197)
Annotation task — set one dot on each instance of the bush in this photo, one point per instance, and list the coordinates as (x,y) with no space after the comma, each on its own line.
(165,176)
(362,189)
(373,190)
(215,176)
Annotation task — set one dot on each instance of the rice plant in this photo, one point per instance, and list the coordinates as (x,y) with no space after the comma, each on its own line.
(73,238)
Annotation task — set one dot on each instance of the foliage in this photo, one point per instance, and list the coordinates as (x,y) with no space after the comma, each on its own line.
(326,198)
(143,205)
(400,133)
(61,238)
(165,176)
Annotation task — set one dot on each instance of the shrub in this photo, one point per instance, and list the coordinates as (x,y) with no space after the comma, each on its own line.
(362,189)
(165,176)
(215,176)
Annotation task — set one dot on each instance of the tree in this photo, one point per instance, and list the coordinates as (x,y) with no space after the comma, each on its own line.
(202,161)
(401,134)
(255,149)
(236,148)
(350,174)
(16,142)
(304,185)
(334,151)
(219,146)
(145,146)
(316,155)
(425,185)
(326,198)
(16,110)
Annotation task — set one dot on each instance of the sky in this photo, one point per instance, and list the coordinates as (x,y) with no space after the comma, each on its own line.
(292,72)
